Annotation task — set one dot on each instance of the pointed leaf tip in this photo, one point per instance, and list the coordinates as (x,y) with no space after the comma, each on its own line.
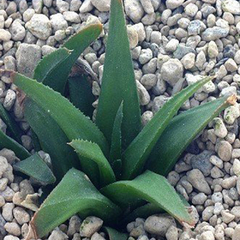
(232,99)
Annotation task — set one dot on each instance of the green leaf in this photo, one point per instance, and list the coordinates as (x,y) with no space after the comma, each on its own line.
(36,168)
(147,210)
(71,120)
(48,64)
(180,133)
(80,91)
(18,149)
(52,139)
(142,212)
(35,140)
(153,188)
(117,168)
(118,82)
(74,194)
(115,235)
(92,152)
(135,156)
(116,142)
(57,78)
(14,129)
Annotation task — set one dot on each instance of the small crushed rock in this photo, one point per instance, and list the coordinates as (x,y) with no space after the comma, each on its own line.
(173,44)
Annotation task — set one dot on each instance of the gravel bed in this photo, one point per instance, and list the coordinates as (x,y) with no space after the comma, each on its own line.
(174,43)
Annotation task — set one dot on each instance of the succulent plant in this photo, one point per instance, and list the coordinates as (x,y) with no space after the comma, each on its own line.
(113,168)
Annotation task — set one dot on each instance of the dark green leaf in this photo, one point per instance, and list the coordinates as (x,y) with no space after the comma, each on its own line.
(80,91)
(180,133)
(48,64)
(115,235)
(18,149)
(11,124)
(142,212)
(35,140)
(36,168)
(153,188)
(117,168)
(118,82)
(116,142)
(57,78)
(71,120)
(134,158)
(52,139)
(92,152)
(74,194)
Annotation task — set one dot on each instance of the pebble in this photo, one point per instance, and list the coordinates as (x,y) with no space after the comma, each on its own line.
(89,226)
(145,56)
(172,71)
(231,114)
(202,162)
(57,234)
(172,45)
(236,167)
(214,33)
(21,215)
(13,228)
(199,199)
(39,26)
(17,31)
(188,61)
(147,6)
(172,4)
(134,10)
(62,5)
(230,65)
(220,129)
(3,165)
(58,22)
(227,216)
(27,55)
(5,35)
(149,80)
(224,150)
(158,224)
(196,178)
(208,235)
(231,6)
(102,6)
(236,233)
(229,182)
(71,17)
(212,49)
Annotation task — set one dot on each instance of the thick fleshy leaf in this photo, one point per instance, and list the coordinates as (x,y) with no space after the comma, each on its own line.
(92,152)
(36,144)
(80,93)
(48,64)
(36,168)
(142,212)
(180,133)
(147,210)
(57,78)
(116,142)
(14,129)
(18,149)
(74,194)
(117,168)
(153,188)
(118,82)
(70,119)
(115,235)
(135,156)
(52,139)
